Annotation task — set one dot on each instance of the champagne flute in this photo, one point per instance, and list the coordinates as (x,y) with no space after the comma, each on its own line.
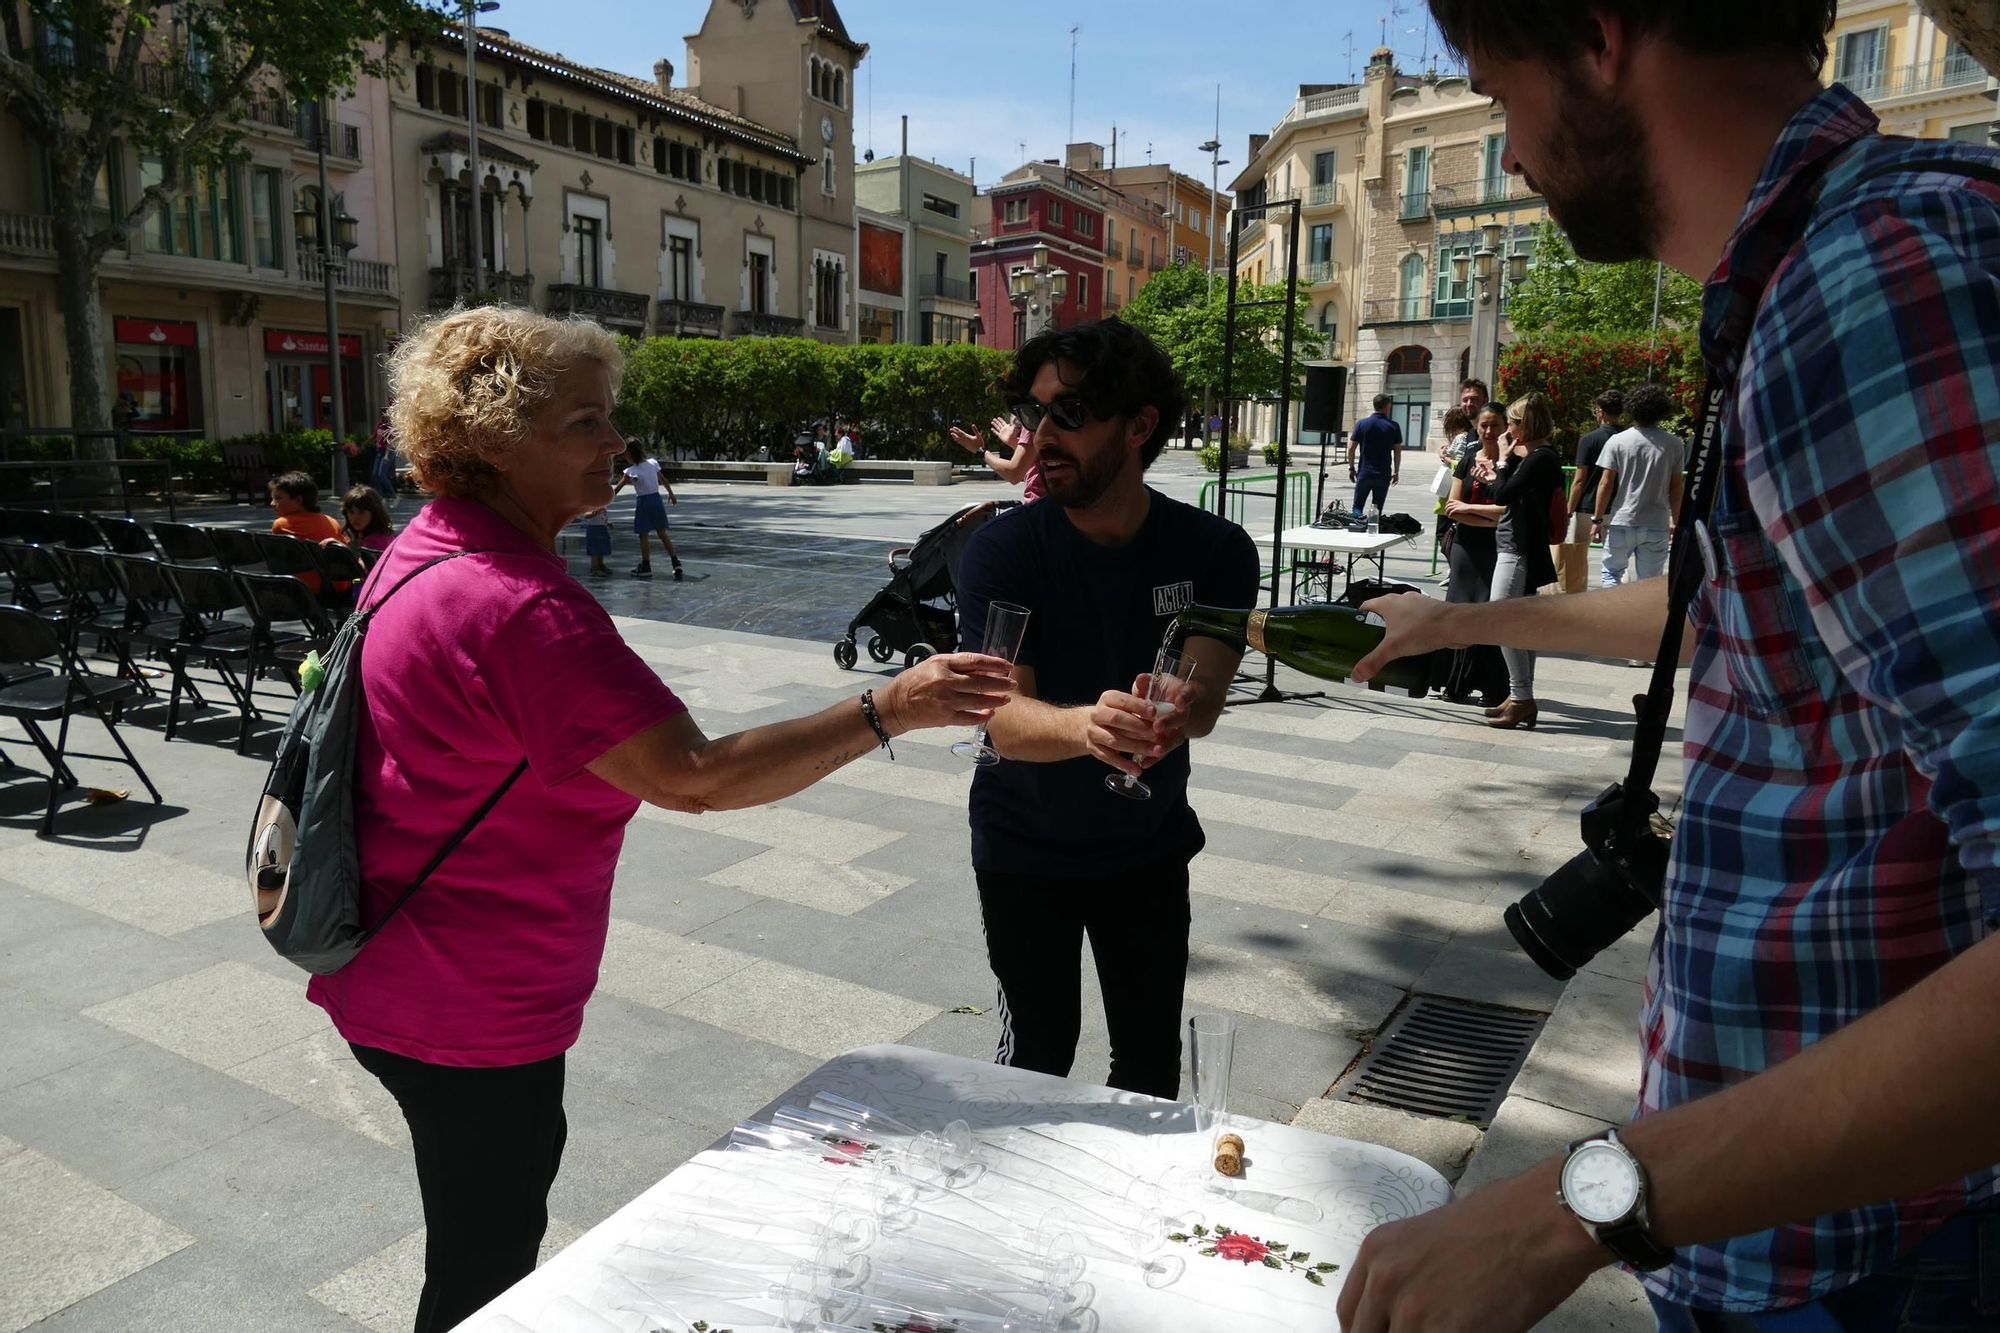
(1166,690)
(1006,626)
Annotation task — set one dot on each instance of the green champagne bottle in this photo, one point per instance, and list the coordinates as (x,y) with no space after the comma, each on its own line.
(1323,641)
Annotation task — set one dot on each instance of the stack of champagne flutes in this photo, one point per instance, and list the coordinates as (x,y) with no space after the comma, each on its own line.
(838,1217)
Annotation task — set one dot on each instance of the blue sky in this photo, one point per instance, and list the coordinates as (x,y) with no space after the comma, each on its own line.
(976,90)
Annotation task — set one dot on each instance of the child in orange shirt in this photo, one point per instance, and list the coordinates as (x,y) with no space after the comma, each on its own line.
(296,498)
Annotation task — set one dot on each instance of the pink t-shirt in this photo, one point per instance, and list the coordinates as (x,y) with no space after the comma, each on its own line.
(478,662)
(375,539)
(1031,485)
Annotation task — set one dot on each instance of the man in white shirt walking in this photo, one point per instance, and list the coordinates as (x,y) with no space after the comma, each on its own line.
(1640,489)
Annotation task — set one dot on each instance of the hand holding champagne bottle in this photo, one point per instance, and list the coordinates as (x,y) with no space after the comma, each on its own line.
(1323,641)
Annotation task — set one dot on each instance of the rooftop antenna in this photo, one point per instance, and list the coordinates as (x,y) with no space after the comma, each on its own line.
(1024,151)
(1350,57)
(1149,155)
(871,112)
(1072,81)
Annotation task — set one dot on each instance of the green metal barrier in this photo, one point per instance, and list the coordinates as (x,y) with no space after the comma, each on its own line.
(1298,492)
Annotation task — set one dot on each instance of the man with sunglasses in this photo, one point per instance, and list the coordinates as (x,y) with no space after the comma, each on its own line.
(1103,566)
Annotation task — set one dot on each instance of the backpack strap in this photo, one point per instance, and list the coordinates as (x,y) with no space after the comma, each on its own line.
(450,845)
(485,807)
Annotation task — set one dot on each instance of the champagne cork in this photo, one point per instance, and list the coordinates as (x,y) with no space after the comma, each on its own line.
(1229,1155)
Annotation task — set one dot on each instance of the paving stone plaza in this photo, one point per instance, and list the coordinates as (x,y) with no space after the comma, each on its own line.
(186,1145)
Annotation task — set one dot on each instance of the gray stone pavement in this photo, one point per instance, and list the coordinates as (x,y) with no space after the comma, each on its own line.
(185,1144)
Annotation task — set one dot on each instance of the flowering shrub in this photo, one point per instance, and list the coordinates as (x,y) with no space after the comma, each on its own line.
(1572,369)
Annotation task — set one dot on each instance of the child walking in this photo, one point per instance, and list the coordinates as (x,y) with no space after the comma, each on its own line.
(649,515)
(597,541)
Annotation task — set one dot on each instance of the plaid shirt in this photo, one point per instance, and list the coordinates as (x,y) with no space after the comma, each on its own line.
(1837,838)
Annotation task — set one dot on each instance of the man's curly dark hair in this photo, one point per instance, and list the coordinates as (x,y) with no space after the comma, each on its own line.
(1116,369)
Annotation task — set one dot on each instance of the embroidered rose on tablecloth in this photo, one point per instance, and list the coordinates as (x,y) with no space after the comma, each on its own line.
(1224,1242)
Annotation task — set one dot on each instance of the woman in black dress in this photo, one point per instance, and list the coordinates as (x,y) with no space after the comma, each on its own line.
(1475,671)
(1530,474)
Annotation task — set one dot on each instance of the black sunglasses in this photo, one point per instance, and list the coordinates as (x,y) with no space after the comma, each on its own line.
(1068,413)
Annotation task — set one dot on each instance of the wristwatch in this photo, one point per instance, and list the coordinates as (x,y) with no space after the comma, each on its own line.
(1604,1187)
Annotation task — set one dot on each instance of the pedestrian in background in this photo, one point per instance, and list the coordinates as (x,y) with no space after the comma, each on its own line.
(1608,407)
(1378,441)
(1640,490)
(649,511)
(1528,478)
(1020,466)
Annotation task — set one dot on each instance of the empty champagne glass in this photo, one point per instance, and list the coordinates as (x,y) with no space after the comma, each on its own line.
(1006,626)
(1166,690)
(1211,1054)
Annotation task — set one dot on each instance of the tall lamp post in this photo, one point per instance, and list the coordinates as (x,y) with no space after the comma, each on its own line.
(476,225)
(1216,162)
(333,239)
(1482,266)
(1037,289)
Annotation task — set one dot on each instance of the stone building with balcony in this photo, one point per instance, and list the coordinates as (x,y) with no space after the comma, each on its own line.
(934,205)
(1431,180)
(631,202)
(213,310)
(1918,79)
(1139,232)
(1039,204)
(1312,155)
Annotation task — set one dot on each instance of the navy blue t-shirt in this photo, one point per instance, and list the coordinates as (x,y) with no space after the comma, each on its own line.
(1097,618)
(1377,438)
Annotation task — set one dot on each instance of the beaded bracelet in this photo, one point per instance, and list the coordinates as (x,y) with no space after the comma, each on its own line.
(875,721)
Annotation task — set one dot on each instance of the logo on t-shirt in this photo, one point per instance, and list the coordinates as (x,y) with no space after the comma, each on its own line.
(1173,598)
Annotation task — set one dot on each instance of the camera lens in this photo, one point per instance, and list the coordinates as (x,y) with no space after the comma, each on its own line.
(1574,915)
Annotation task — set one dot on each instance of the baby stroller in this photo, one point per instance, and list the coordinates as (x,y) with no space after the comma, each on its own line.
(916,612)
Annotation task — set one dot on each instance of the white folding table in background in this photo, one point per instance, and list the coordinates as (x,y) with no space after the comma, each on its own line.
(1356,546)
(1255,1282)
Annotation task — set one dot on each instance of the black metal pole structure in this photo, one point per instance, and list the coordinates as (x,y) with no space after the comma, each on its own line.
(327,245)
(1270,693)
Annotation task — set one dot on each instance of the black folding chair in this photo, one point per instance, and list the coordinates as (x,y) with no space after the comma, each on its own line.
(183,543)
(40,583)
(210,634)
(10,523)
(235,548)
(157,622)
(96,600)
(34,525)
(288,621)
(28,640)
(78,530)
(368,556)
(126,536)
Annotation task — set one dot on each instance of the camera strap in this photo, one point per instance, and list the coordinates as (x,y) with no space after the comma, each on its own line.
(1684,563)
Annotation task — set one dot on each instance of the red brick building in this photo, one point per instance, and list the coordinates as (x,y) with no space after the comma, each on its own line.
(1039,204)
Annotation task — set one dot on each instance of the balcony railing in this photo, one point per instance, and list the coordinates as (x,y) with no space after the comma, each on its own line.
(1413,205)
(1481,192)
(28,233)
(1318,271)
(1252,229)
(749,324)
(1135,260)
(602,304)
(1320,104)
(453,283)
(1112,304)
(1397,310)
(686,319)
(1330,195)
(1958,71)
(343,141)
(1155,262)
(1113,250)
(371,276)
(946,289)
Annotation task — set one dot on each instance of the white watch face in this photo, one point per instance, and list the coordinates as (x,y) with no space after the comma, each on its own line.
(1600,1184)
(826,128)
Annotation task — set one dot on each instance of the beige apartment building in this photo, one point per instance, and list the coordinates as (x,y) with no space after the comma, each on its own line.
(1920,81)
(915,227)
(636,203)
(1194,209)
(214,315)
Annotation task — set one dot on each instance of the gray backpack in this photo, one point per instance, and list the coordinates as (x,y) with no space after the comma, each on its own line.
(304,867)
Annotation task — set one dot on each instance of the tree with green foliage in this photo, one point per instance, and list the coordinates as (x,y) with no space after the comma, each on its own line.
(1565,294)
(173,84)
(1186,314)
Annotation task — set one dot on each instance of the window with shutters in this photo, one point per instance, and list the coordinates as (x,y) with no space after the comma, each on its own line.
(538,120)
(559,126)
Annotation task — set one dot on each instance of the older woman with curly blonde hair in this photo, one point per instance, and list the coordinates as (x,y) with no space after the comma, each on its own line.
(494,679)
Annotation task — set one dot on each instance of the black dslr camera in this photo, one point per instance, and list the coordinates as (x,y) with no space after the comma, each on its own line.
(1602,892)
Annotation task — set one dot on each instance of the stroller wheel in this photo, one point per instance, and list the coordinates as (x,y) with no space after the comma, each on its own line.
(879,650)
(844,654)
(918,652)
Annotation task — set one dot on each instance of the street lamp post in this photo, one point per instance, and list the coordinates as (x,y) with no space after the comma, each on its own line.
(476,226)
(321,230)
(1037,289)
(1482,268)
(1216,162)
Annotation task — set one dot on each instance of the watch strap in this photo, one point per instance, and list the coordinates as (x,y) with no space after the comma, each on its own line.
(1633,1244)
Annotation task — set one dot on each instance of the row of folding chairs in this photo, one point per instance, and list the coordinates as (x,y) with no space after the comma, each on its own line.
(191,544)
(241,624)
(44,527)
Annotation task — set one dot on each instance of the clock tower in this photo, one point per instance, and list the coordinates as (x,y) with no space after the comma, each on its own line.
(792,66)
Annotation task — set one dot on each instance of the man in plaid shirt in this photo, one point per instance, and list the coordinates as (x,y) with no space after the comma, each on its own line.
(1820,1109)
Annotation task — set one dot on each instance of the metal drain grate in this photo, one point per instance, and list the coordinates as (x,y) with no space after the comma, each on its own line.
(1443,1058)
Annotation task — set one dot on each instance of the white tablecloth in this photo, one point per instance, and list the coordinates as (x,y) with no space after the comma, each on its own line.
(1357,1185)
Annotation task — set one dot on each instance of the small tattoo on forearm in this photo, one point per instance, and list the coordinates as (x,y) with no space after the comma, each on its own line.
(839,760)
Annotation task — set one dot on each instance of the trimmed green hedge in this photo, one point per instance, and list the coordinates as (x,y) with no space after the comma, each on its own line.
(728,399)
